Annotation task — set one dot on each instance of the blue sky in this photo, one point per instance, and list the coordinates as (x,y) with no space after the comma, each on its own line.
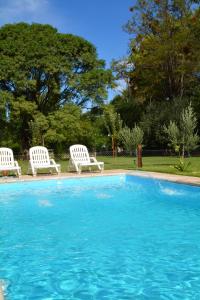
(100,22)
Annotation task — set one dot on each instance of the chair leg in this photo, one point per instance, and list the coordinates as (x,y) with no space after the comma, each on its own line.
(31,170)
(100,167)
(79,170)
(18,173)
(57,170)
(34,172)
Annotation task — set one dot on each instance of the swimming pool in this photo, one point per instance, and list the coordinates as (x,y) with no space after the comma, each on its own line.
(108,237)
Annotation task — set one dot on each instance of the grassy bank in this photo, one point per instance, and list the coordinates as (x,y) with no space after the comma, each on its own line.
(164,164)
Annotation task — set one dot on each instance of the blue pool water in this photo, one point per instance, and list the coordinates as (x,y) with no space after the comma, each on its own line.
(117,237)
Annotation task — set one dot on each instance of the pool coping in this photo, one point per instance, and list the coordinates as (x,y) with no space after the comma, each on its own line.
(1,293)
(155,175)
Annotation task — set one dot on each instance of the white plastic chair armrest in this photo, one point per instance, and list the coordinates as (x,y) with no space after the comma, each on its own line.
(19,172)
(93,159)
(52,161)
(32,168)
(57,166)
(16,164)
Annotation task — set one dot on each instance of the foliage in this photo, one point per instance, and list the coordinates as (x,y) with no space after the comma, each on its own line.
(188,124)
(53,86)
(164,51)
(129,109)
(161,69)
(183,136)
(127,139)
(182,165)
(63,125)
(41,70)
(113,125)
(38,127)
(131,138)
(138,135)
(173,135)
(112,121)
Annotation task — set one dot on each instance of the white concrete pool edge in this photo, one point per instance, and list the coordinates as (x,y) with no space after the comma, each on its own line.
(169,177)
(1,293)
(155,175)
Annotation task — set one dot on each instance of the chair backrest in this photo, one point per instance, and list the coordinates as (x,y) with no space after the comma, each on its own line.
(6,157)
(79,153)
(39,155)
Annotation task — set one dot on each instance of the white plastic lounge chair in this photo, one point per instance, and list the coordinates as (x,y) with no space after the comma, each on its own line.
(39,159)
(79,157)
(7,162)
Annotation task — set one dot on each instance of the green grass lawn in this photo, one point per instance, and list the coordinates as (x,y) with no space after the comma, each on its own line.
(164,164)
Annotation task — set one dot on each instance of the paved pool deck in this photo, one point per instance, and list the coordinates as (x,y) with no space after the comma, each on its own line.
(164,176)
(1,294)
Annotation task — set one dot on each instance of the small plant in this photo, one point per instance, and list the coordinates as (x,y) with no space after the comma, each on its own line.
(183,136)
(131,138)
(182,165)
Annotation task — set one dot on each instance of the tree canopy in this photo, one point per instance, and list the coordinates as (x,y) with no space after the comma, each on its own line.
(164,54)
(162,69)
(53,86)
(41,70)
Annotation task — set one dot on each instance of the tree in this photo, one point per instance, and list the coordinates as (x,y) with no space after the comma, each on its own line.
(41,70)
(113,124)
(162,66)
(64,127)
(129,109)
(164,50)
(138,135)
(173,135)
(183,136)
(38,128)
(127,139)
(188,124)
(131,138)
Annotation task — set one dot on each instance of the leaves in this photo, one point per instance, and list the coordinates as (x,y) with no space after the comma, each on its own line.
(173,133)
(112,121)
(164,49)
(131,138)
(188,124)
(41,70)
(183,136)
(182,165)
